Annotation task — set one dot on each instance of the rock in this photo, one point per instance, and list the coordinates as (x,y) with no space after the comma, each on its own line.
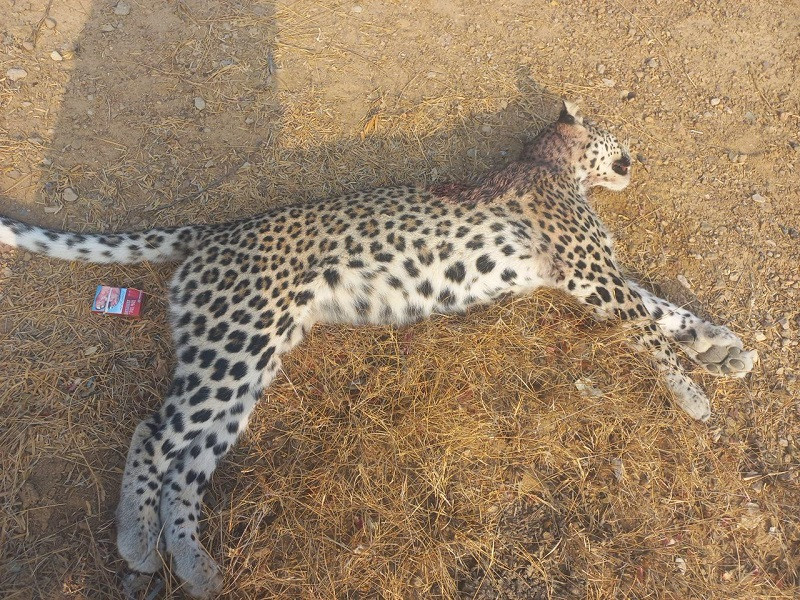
(50,22)
(758,198)
(28,45)
(609,83)
(680,564)
(56,56)
(16,73)
(107,28)
(69,195)
(601,68)
(714,101)
(122,9)
(759,336)
(651,62)
(199,103)
(356,9)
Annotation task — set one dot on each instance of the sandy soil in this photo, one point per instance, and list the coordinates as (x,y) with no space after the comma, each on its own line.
(151,113)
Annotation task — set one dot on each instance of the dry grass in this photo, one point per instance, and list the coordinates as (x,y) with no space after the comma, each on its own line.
(516,452)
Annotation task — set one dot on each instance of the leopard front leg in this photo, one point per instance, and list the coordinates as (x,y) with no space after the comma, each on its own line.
(714,347)
(610,297)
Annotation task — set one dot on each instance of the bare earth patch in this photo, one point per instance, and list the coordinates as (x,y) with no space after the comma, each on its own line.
(516,452)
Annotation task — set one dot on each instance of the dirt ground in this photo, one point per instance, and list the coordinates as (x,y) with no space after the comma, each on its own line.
(517,452)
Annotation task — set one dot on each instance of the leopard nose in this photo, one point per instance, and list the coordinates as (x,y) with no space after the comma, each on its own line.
(621,166)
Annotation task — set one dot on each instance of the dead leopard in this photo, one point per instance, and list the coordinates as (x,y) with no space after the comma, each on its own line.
(246,292)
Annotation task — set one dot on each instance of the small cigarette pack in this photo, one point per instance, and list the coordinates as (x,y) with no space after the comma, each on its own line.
(117,301)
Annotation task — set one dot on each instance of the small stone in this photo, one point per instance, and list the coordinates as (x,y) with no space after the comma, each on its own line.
(684,282)
(759,336)
(609,83)
(783,115)
(601,68)
(16,73)
(51,210)
(486,129)
(107,28)
(56,56)
(431,74)
(357,9)
(733,156)
(69,195)
(122,9)
(50,22)
(758,198)
(28,45)
(750,117)
(90,350)
(680,563)
(651,62)
(714,101)
(472,153)
(199,103)
(783,442)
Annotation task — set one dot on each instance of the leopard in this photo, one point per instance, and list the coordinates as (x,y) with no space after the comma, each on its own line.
(246,292)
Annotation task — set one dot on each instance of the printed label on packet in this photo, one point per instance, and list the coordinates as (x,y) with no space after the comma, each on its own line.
(117,301)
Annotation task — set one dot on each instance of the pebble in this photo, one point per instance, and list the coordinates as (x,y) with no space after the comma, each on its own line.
(357,9)
(601,68)
(758,198)
(199,103)
(609,83)
(107,28)
(50,22)
(759,336)
(680,563)
(16,73)
(714,101)
(684,282)
(122,9)
(56,56)
(472,153)
(651,62)
(28,45)
(69,195)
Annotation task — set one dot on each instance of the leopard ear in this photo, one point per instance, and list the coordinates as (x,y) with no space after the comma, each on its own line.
(569,113)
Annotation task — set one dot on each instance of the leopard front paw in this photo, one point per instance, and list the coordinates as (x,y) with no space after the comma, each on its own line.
(728,361)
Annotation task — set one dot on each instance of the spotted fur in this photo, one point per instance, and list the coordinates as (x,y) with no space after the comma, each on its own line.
(246,292)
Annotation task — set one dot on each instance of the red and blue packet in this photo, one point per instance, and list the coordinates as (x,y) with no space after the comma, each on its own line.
(110,300)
